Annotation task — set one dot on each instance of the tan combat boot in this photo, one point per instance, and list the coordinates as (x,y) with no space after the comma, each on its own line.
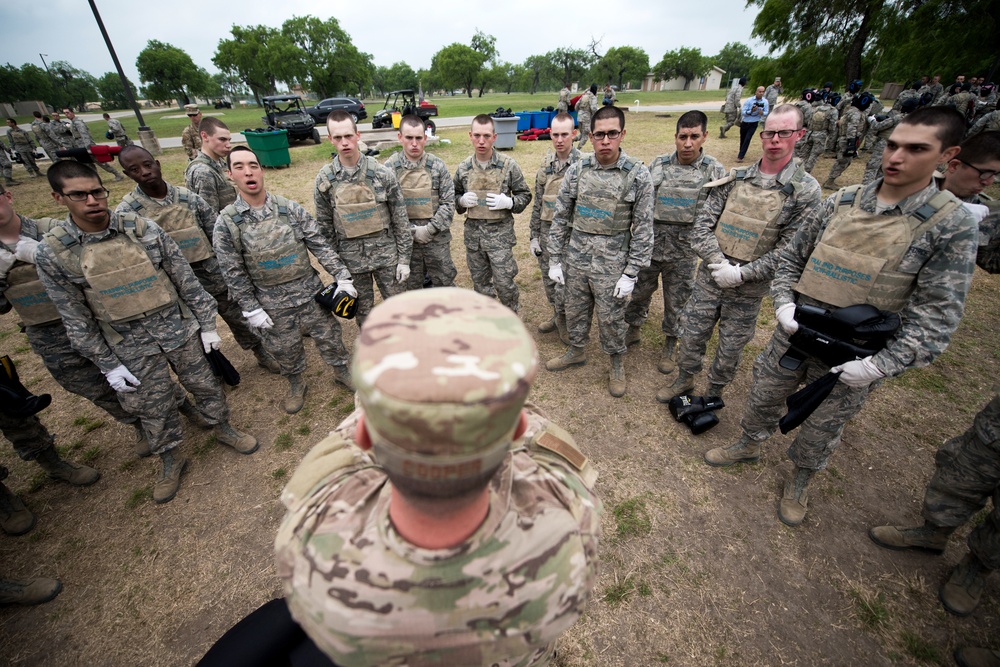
(927,537)
(830,184)
(64,471)
(548,326)
(266,361)
(960,595)
(244,443)
(342,376)
(574,356)
(15,518)
(30,592)
(667,365)
(632,336)
(193,414)
(795,499)
(971,656)
(296,398)
(743,450)
(562,329)
(684,384)
(714,390)
(616,378)
(166,487)
(141,442)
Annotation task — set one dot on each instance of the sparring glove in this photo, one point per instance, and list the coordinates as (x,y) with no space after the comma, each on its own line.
(121,379)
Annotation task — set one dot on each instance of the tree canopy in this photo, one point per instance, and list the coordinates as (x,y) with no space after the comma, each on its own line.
(457,66)
(329,60)
(112,92)
(621,64)
(169,73)
(685,63)
(736,59)
(259,56)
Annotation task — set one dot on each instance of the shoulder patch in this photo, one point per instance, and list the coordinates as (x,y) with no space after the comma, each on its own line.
(558,441)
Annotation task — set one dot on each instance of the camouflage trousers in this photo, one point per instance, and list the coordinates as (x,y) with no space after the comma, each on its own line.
(584,292)
(365,282)
(674,262)
(874,167)
(554,292)
(732,118)
(734,309)
(843,162)
(967,474)
(583,123)
(74,372)
(5,167)
(813,146)
(284,340)
(490,255)
(27,154)
(820,434)
(210,277)
(28,435)
(434,259)
(155,401)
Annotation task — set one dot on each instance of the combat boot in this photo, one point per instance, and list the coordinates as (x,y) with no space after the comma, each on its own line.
(632,337)
(743,450)
(296,398)
(562,329)
(714,390)
(616,378)
(342,376)
(548,326)
(30,592)
(722,133)
(961,593)
(15,518)
(795,500)
(11,181)
(830,184)
(927,537)
(166,487)
(193,414)
(969,656)
(667,364)
(244,443)
(266,361)
(141,442)
(682,385)
(574,356)
(72,473)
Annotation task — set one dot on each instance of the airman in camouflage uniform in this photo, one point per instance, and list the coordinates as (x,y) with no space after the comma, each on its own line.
(547,181)
(745,222)
(988,123)
(430,205)
(822,124)
(487,176)
(678,181)
(7,169)
(261,242)
(190,221)
(116,128)
(732,106)
(206,172)
(906,94)
(41,131)
(444,432)
(603,227)
(132,305)
(852,129)
(771,92)
(82,139)
(191,136)
(586,107)
(844,256)
(60,131)
(562,106)
(883,130)
(361,210)
(21,142)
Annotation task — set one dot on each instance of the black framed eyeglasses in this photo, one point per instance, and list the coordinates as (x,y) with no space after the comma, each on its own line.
(99,193)
(599,136)
(784,134)
(984,174)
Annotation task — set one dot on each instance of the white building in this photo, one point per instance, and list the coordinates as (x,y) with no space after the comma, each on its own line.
(711,80)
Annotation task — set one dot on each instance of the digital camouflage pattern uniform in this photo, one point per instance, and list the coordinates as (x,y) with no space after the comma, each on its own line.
(362,213)
(679,191)
(207,178)
(597,245)
(822,124)
(543,209)
(191,141)
(428,203)
(21,142)
(41,132)
(807,112)
(789,201)
(6,168)
(564,98)
(121,138)
(489,235)
(771,95)
(731,107)
(195,212)
(82,139)
(369,598)
(852,129)
(152,343)
(288,298)
(908,94)
(989,122)
(883,130)
(61,133)
(28,435)
(586,107)
(941,260)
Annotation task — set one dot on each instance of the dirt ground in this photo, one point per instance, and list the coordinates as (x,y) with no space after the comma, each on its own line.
(696,568)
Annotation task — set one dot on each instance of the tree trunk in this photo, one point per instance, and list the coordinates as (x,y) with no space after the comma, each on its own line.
(852,61)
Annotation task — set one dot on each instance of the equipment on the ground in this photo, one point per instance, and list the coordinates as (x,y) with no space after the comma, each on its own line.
(697,412)
(15,399)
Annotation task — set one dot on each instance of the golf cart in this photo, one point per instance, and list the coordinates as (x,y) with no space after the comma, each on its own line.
(404,102)
(285,112)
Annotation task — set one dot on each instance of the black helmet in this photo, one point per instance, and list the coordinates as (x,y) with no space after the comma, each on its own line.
(926,98)
(910,105)
(855,86)
(828,84)
(833,98)
(807,94)
(743,81)
(863,101)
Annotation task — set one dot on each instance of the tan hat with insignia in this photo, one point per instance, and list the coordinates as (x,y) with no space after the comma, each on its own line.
(191,109)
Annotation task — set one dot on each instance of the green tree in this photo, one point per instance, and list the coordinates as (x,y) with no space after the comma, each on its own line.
(398,77)
(457,66)
(30,82)
(486,45)
(570,64)
(112,92)
(507,76)
(229,84)
(535,69)
(330,62)
(73,87)
(260,56)
(169,72)
(736,59)
(621,64)
(685,62)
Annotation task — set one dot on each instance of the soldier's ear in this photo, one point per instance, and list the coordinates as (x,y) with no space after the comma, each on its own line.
(950,154)
(522,425)
(361,436)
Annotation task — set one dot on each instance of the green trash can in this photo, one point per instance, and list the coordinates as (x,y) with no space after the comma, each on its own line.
(270,146)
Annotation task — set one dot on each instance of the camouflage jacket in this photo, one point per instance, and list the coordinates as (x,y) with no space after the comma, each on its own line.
(41,131)
(369,598)
(943,259)
(117,129)
(440,182)
(535,225)
(514,186)
(564,97)
(586,105)
(61,133)
(771,95)
(666,170)
(191,141)
(908,94)
(799,209)
(81,133)
(733,96)
(19,139)
(29,229)
(883,128)
(807,112)
(210,182)
(109,345)
(853,125)
(829,117)
(989,122)
(626,252)
(988,255)
(286,295)
(394,245)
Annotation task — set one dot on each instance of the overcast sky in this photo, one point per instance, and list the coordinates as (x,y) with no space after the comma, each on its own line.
(66,29)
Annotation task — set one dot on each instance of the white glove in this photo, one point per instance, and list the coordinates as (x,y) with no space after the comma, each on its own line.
(498,202)
(624,286)
(978,211)
(726,275)
(536,247)
(258,319)
(871,120)
(7,259)
(786,318)
(210,341)
(348,286)
(121,380)
(469,199)
(556,274)
(423,234)
(26,249)
(402,273)
(858,373)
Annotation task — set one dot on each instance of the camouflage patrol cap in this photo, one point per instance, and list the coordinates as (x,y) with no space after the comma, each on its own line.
(191,109)
(442,375)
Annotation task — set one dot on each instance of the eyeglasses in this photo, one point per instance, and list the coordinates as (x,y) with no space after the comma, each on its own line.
(612,135)
(99,193)
(784,134)
(984,174)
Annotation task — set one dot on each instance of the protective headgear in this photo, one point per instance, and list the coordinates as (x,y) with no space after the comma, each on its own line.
(808,95)
(593,88)
(926,98)
(863,101)
(109,135)
(916,85)
(833,98)
(986,89)
(954,88)
(828,84)
(743,81)
(910,105)
(338,302)
(855,86)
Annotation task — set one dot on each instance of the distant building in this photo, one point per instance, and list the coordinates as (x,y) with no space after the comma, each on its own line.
(711,80)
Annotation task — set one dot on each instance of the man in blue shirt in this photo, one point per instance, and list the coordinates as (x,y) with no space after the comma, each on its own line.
(754,110)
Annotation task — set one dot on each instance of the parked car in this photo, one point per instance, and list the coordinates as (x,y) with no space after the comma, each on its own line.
(351,105)
(285,112)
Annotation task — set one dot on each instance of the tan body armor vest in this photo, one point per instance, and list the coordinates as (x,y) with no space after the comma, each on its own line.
(271,253)
(227,191)
(600,201)
(857,258)
(819,121)
(482,181)
(356,210)
(179,222)
(122,283)
(25,291)
(677,198)
(747,228)
(553,182)
(418,192)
